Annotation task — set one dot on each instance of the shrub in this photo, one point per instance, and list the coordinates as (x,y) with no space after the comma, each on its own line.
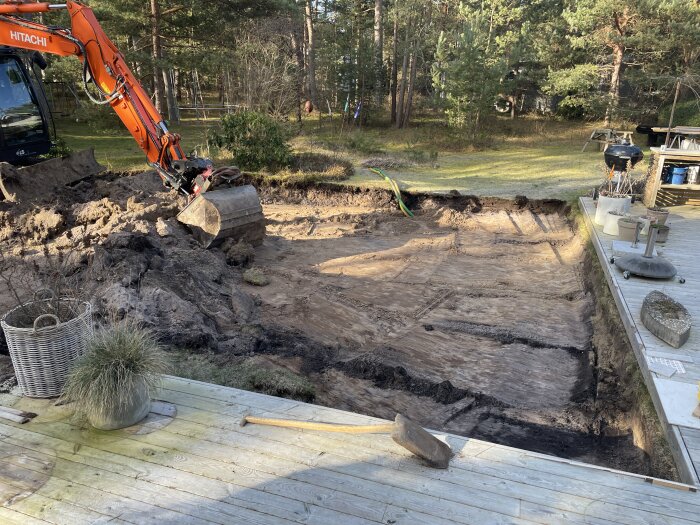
(255,140)
(59,149)
(108,375)
(363,143)
(687,114)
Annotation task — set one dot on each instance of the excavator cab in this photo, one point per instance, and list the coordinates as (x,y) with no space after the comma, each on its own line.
(24,119)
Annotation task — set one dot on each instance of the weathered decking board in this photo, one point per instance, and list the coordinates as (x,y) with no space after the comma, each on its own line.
(683,250)
(205,468)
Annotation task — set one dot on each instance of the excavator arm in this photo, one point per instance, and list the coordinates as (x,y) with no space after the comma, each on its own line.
(105,67)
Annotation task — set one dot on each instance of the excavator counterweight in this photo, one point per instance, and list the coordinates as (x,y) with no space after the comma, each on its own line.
(212,216)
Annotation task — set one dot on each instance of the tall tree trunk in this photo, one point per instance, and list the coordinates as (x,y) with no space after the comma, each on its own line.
(378,52)
(170,95)
(298,50)
(311,54)
(614,91)
(157,54)
(394,69)
(411,85)
(404,73)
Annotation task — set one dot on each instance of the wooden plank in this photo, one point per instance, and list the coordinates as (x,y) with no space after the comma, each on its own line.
(238,482)
(145,502)
(223,469)
(467,446)
(393,459)
(229,464)
(219,449)
(13,517)
(568,486)
(60,512)
(209,497)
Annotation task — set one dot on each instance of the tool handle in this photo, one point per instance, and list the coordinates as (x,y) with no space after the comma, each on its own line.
(324,427)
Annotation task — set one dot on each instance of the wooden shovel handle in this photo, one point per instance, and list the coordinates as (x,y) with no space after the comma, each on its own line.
(324,427)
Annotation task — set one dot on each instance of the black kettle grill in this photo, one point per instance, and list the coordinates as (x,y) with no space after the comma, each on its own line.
(618,155)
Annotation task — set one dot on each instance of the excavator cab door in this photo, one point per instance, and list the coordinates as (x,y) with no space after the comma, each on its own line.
(24,122)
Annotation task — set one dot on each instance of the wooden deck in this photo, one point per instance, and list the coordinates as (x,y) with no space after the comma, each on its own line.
(675,396)
(202,467)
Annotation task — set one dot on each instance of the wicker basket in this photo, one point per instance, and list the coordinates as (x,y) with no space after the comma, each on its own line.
(42,355)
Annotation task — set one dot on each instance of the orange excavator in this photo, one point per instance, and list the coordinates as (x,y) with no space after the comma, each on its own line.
(211,215)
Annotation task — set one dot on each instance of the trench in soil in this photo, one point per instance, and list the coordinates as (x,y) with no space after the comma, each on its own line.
(476,317)
(472,318)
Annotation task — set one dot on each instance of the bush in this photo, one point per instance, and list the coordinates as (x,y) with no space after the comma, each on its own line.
(363,143)
(254,139)
(59,149)
(687,114)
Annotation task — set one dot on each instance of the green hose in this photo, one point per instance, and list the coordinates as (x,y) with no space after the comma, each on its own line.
(395,188)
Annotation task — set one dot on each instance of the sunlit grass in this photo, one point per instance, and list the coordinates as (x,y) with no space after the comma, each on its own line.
(535,157)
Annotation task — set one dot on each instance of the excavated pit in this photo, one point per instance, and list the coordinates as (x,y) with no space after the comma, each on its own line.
(476,317)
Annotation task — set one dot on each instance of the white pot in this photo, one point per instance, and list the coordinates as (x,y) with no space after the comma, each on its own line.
(621,205)
(611,226)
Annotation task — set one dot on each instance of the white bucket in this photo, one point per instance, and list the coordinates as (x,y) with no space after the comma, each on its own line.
(621,205)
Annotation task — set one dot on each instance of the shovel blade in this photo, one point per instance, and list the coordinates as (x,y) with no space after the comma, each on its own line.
(227,213)
(422,443)
(37,182)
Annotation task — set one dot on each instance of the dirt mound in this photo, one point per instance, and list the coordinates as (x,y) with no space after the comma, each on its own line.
(133,258)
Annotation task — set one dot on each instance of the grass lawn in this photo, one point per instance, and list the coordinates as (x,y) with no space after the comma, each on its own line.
(117,149)
(536,158)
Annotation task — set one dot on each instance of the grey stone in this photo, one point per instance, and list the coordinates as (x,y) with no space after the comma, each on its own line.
(666,318)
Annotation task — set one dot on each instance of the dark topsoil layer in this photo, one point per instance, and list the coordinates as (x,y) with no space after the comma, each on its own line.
(118,238)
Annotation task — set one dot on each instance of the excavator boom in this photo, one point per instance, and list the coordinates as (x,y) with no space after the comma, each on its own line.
(105,68)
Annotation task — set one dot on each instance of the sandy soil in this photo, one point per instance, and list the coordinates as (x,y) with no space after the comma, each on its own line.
(475,323)
(472,318)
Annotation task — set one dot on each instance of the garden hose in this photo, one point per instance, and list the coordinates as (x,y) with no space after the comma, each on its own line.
(395,188)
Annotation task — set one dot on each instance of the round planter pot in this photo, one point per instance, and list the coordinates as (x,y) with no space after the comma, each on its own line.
(662,235)
(629,229)
(659,215)
(610,227)
(607,204)
(126,415)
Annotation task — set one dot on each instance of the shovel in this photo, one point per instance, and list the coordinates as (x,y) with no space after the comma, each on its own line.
(403,431)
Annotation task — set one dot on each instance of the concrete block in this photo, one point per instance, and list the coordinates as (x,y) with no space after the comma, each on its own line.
(666,318)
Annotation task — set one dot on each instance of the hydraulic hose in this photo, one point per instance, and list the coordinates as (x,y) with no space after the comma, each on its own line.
(395,188)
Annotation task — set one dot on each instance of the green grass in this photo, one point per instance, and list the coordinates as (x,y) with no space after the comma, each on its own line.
(118,150)
(529,156)
(253,374)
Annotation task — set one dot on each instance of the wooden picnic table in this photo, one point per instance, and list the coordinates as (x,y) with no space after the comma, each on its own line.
(608,136)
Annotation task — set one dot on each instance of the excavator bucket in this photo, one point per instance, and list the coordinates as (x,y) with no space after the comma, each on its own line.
(39,180)
(223,213)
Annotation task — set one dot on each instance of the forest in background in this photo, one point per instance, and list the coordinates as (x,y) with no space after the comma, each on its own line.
(381,60)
